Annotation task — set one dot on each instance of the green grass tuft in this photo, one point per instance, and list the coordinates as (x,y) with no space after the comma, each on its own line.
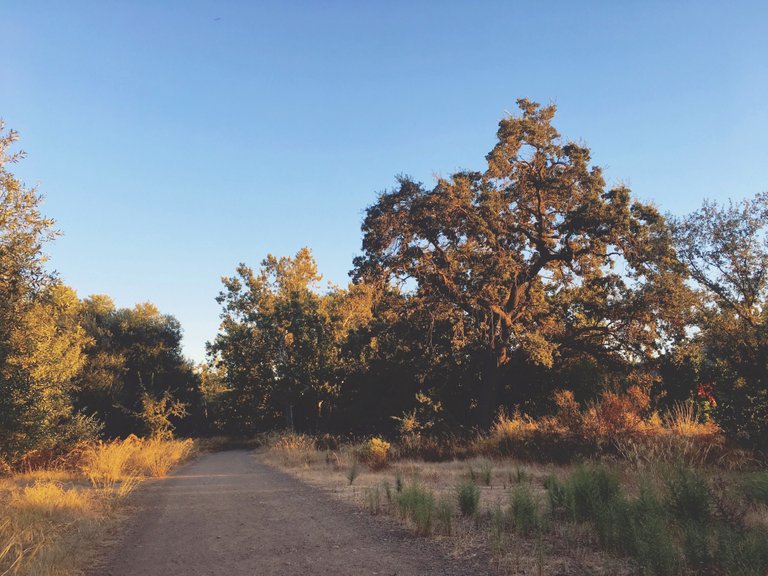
(468,496)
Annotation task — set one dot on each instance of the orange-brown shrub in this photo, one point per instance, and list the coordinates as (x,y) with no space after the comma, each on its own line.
(620,424)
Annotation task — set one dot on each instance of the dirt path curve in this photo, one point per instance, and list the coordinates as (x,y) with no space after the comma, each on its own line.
(227,514)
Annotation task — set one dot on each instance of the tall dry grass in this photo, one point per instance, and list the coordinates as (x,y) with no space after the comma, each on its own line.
(114,465)
(617,424)
(50,518)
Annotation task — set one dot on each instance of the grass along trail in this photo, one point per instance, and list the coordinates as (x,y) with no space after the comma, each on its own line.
(228,514)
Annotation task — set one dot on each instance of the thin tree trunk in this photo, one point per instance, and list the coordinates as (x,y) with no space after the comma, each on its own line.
(488,397)
(289,416)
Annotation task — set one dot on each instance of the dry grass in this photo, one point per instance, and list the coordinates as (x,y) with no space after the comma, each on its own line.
(294,450)
(616,424)
(118,465)
(376,491)
(532,539)
(51,518)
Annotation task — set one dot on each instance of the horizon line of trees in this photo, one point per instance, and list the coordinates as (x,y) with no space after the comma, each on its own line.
(491,290)
(72,369)
(495,289)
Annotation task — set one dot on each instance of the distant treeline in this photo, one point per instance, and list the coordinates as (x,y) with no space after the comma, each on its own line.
(492,289)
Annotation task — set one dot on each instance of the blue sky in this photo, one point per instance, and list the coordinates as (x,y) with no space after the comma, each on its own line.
(173,140)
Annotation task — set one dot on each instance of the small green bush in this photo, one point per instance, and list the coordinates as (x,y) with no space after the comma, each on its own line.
(590,490)
(525,511)
(500,527)
(417,504)
(558,498)
(697,545)
(689,496)
(743,553)
(755,487)
(468,495)
(645,534)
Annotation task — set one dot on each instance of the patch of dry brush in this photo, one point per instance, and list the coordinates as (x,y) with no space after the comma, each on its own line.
(50,517)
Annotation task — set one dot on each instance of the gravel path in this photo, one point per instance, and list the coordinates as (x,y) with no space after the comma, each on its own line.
(227,514)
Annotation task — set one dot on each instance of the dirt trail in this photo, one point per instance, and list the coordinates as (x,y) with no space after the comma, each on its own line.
(227,514)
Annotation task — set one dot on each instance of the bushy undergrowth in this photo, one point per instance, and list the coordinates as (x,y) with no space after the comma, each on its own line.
(294,449)
(468,496)
(417,504)
(375,453)
(616,424)
(669,529)
(755,487)
(667,518)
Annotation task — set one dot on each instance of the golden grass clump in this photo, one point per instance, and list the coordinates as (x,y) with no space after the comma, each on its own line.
(106,464)
(155,457)
(49,518)
(44,522)
(119,464)
(295,450)
(52,499)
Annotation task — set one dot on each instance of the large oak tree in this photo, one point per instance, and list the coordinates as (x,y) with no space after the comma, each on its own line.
(535,251)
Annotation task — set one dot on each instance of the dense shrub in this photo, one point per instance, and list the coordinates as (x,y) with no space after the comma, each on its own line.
(375,453)
(524,511)
(755,487)
(468,496)
(689,496)
(417,504)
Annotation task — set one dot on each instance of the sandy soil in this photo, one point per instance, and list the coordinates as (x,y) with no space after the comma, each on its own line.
(228,514)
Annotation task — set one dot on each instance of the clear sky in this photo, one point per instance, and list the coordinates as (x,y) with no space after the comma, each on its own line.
(173,140)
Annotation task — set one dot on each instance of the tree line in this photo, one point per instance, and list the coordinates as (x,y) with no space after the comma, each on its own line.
(490,290)
(73,369)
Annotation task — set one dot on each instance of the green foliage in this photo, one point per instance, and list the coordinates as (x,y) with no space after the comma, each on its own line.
(417,504)
(157,414)
(135,378)
(689,496)
(519,252)
(524,511)
(666,535)
(755,487)
(556,491)
(519,475)
(277,347)
(636,527)
(468,496)
(40,340)
(591,489)
(743,553)
(725,251)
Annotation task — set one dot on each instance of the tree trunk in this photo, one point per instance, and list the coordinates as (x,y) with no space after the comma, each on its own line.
(488,397)
(289,416)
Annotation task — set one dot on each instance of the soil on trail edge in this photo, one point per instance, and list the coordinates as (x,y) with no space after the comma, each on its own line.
(227,514)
